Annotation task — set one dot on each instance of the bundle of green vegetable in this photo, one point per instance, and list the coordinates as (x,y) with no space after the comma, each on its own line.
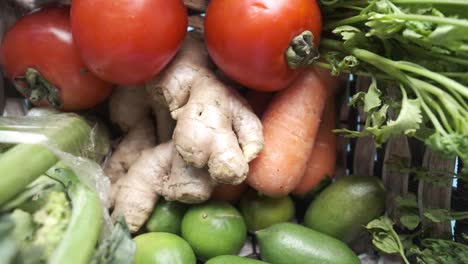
(52,205)
(420,44)
(52,219)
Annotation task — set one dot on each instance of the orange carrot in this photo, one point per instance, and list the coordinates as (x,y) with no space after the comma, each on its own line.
(322,161)
(334,83)
(290,125)
(229,193)
(258,100)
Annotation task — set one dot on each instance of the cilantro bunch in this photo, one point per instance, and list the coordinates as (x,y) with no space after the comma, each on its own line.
(416,238)
(416,52)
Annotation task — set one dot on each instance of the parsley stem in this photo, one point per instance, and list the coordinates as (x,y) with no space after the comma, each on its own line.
(442,2)
(386,77)
(422,51)
(381,62)
(393,68)
(358,2)
(455,74)
(439,112)
(425,18)
(360,73)
(346,21)
(464,48)
(443,96)
(430,114)
(445,81)
(400,245)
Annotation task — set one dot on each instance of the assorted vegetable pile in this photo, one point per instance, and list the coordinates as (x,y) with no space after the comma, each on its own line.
(221,139)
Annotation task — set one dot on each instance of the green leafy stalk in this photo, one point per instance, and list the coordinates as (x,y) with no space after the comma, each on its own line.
(420,46)
(69,133)
(424,18)
(32,197)
(410,119)
(83,231)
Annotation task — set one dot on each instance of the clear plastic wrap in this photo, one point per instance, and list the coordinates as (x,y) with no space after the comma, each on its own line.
(55,132)
(2,94)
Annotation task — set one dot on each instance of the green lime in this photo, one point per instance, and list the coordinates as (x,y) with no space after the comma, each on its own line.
(261,211)
(162,248)
(214,228)
(167,217)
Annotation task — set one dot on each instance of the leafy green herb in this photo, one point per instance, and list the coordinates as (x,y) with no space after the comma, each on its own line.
(442,215)
(385,238)
(420,45)
(410,220)
(118,248)
(435,251)
(407,207)
(408,201)
(416,244)
(440,178)
(407,210)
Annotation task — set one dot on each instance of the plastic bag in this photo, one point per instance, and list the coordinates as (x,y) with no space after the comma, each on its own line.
(54,132)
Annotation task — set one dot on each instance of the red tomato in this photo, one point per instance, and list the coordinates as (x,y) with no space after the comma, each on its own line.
(42,41)
(128,42)
(248,39)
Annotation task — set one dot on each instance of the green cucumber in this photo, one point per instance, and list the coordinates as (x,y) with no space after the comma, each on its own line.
(229,259)
(288,243)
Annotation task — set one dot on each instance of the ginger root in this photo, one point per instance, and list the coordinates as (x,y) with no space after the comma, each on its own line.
(215,125)
(158,171)
(165,123)
(215,129)
(130,109)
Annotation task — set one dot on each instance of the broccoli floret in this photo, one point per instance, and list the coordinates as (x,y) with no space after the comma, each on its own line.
(52,220)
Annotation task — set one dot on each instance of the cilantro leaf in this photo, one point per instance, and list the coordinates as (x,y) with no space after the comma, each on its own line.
(372,97)
(442,215)
(385,238)
(410,220)
(352,36)
(408,121)
(435,251)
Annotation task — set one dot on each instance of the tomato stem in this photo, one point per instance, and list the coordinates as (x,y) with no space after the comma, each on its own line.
(36,95)
(302,51)
(38,88)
